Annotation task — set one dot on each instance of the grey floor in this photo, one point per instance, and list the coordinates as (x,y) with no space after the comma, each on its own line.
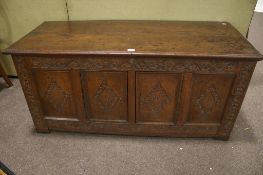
(29,153)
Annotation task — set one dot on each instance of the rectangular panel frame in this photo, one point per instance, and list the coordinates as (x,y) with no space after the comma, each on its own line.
(176,100)
(76,94)
(88,116)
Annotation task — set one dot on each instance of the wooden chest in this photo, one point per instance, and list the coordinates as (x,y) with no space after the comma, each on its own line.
(147,78)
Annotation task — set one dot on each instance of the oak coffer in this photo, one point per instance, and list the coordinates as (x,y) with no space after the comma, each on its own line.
(148,78)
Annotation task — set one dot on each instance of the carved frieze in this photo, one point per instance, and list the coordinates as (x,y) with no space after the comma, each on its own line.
(137,64)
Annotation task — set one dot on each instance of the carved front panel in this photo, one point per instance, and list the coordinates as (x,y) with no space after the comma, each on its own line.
(105,95)
(56,93)
(136,63)
(157,95)
(208,97)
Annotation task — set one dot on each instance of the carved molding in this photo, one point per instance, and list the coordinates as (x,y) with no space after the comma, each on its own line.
(156,99)
(208,100)
(244,70)
(26,80)
(105,97)
(140,64)
(53,98)
(236,99)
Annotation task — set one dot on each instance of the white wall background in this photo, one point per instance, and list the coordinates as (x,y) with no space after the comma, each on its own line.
(259,6)
(255,35)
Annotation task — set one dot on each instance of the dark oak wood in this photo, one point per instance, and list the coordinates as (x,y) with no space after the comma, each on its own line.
(56,93)
(170,38)
(25,74)
(5,77)
(105,96)
(208,97)
(157,96)
(184,79)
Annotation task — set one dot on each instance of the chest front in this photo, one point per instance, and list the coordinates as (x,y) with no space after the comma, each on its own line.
(180,85)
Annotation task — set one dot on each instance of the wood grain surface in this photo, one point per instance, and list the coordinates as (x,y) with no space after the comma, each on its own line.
(170,38)
(184,79)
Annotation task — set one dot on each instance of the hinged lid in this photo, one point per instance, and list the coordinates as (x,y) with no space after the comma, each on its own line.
(162,38)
